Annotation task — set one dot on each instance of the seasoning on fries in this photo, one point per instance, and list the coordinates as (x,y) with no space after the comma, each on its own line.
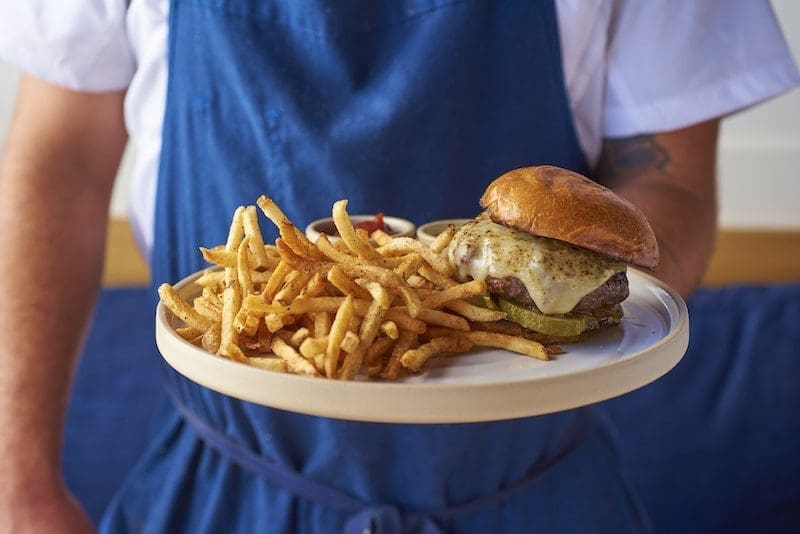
(370,305)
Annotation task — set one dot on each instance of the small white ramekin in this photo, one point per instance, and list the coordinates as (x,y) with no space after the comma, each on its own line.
(400,227)
(428,231)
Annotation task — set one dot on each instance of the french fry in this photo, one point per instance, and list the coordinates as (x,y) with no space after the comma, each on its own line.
(271,210)
(231,302)
(205,308)
(390,329)
(295,283)
(338,331)
(233,352)
(319,363)
(400,317)
(512,343)
(212,298)
(418,282)
(414,359)
(381,237)
(256,240)
(410,266)
(211,338)
(271,252)
(246,324)
(274,322)
(219,256)
(475,313)
(553,350)
(303,305)
(302,247)
(243,266)
(293,360)
(268,363)
(404,343)
(348,234)
(367,332)
(435,277)
(312,346)
(330,251)
(210,279)
(457,292)
(181,308)
(389,279)
(190,334)
(443,240)
(300,335)
(345,284)
(350,342)
(362,234)
(298,262)
(431,317)
(407,245)
(315,286)
(213,279)
(235,235)
(322,324)
(236,230)
(276,215)
(375,352)
(275,282)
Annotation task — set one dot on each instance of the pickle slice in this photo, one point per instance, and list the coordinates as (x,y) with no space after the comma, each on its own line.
(484,301)
(546,324)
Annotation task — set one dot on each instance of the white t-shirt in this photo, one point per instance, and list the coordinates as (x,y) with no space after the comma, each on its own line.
(630,66)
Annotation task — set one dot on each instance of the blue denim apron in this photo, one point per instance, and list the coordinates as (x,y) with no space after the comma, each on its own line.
(409,107)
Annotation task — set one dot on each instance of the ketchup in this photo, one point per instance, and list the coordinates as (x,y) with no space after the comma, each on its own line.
(371,225)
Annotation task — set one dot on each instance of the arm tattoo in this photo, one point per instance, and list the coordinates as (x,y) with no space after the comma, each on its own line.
(631,154)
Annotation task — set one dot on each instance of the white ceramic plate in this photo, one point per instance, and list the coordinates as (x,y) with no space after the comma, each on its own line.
(485,385)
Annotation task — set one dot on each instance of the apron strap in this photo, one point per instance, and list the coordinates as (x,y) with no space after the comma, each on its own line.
(365,518)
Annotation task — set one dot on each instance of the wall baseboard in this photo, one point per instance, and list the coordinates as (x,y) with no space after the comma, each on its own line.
(754,257)
(124,265)
(740,257)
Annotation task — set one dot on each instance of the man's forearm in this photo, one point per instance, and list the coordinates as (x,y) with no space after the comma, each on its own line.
(55,183)
(51,266)
(671,178)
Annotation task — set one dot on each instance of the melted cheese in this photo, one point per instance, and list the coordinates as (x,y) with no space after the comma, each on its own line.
(557,275)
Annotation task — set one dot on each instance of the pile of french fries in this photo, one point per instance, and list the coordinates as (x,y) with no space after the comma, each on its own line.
(372,305)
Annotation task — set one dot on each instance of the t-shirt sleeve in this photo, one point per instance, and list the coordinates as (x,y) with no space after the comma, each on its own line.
(673,63)
(77,44)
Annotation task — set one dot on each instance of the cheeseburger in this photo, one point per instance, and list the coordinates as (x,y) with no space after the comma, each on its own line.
(553,247)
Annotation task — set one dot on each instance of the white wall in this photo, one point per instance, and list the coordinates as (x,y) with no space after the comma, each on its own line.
(759,164)
(759,167)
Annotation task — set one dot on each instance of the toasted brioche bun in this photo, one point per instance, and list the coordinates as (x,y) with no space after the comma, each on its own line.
(553,202)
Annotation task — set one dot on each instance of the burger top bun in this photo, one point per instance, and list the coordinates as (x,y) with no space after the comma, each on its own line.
(553,202)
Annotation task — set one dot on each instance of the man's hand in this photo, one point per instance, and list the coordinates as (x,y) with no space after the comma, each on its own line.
(55,184)
(671,178)
(53,509)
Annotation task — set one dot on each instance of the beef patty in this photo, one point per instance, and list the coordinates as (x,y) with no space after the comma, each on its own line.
(611,293)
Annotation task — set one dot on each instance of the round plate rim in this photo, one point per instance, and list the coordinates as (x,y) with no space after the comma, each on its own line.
(676,336)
